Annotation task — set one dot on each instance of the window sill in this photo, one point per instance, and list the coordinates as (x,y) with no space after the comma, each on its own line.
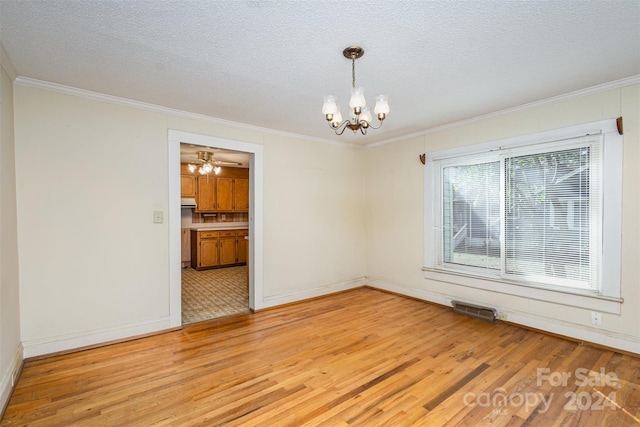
(564,296)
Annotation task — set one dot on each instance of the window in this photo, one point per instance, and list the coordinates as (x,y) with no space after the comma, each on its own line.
(528,211)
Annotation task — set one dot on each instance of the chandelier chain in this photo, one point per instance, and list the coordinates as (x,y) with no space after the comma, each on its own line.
(353,71)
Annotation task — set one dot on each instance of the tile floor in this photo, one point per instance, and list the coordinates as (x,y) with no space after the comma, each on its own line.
(218,292)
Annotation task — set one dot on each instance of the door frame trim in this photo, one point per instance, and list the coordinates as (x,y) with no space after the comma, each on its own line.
(175,137)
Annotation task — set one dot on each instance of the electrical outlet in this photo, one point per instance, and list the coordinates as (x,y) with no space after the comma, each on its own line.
(502,316)
(596,318)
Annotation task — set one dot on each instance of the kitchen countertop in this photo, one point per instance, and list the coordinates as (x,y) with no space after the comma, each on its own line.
(220,226)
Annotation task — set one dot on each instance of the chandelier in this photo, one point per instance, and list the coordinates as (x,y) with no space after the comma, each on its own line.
(207,164)
(360,115)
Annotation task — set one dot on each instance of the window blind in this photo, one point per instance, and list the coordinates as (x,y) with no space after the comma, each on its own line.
(552,214)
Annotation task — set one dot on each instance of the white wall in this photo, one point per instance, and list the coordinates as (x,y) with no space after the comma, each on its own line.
(395,220)
(314,233)
(10,346)
(94,267)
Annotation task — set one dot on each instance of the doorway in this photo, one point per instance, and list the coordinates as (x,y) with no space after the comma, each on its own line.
(214,187)
(255,227)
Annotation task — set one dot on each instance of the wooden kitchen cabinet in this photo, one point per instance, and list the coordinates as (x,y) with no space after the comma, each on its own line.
(232,195)
(228,247)
(242,247)
(241,195)
(186,247)
(188,182)
(204,249)
(224,194)
(206,194)
(223,248)
(227,192)
(188,185)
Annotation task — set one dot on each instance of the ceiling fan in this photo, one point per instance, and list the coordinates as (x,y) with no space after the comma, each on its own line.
(207,163)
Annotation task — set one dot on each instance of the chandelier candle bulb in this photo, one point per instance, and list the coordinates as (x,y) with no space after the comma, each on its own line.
(365,117)
(329,106)
(360,116)
(357,100)
(337,118)
(382,106)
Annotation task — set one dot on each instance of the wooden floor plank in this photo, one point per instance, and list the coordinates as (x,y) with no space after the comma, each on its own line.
(357,358)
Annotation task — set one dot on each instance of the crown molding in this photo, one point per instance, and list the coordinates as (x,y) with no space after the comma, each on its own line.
(616,84)
(69,90)
(5,62)
(83,93)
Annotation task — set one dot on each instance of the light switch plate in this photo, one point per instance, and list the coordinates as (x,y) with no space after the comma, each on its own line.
(157,217)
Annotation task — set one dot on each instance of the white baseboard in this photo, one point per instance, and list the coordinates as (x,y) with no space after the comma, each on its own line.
(6,383)
(281,299)
(45,346)
(606,338)
(83,339)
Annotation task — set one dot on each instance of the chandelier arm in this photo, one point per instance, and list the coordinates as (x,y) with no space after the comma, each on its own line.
(376,127)
(341,128)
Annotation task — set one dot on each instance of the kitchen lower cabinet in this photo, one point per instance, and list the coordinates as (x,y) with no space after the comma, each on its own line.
(213,249)
(227,247)
(204,249)
(185,247)
(242,247)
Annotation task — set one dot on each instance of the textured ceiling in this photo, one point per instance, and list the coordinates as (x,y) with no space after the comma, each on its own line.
(269,63)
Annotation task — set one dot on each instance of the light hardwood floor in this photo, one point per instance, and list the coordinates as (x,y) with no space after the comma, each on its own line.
(362,357)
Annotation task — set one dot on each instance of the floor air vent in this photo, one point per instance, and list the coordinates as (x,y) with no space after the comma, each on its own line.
(479,312)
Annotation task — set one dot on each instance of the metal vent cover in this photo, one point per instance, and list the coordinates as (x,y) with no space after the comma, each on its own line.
(479,312)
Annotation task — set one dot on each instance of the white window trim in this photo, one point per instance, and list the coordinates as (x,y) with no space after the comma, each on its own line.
(609,299)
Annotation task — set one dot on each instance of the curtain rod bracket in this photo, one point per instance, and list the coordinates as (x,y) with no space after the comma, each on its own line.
(619,124)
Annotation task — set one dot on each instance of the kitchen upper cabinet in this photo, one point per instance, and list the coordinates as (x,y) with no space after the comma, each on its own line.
(206,194)
(188,185)
(224,194)
(227,247)
(232,194)
(241,195)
